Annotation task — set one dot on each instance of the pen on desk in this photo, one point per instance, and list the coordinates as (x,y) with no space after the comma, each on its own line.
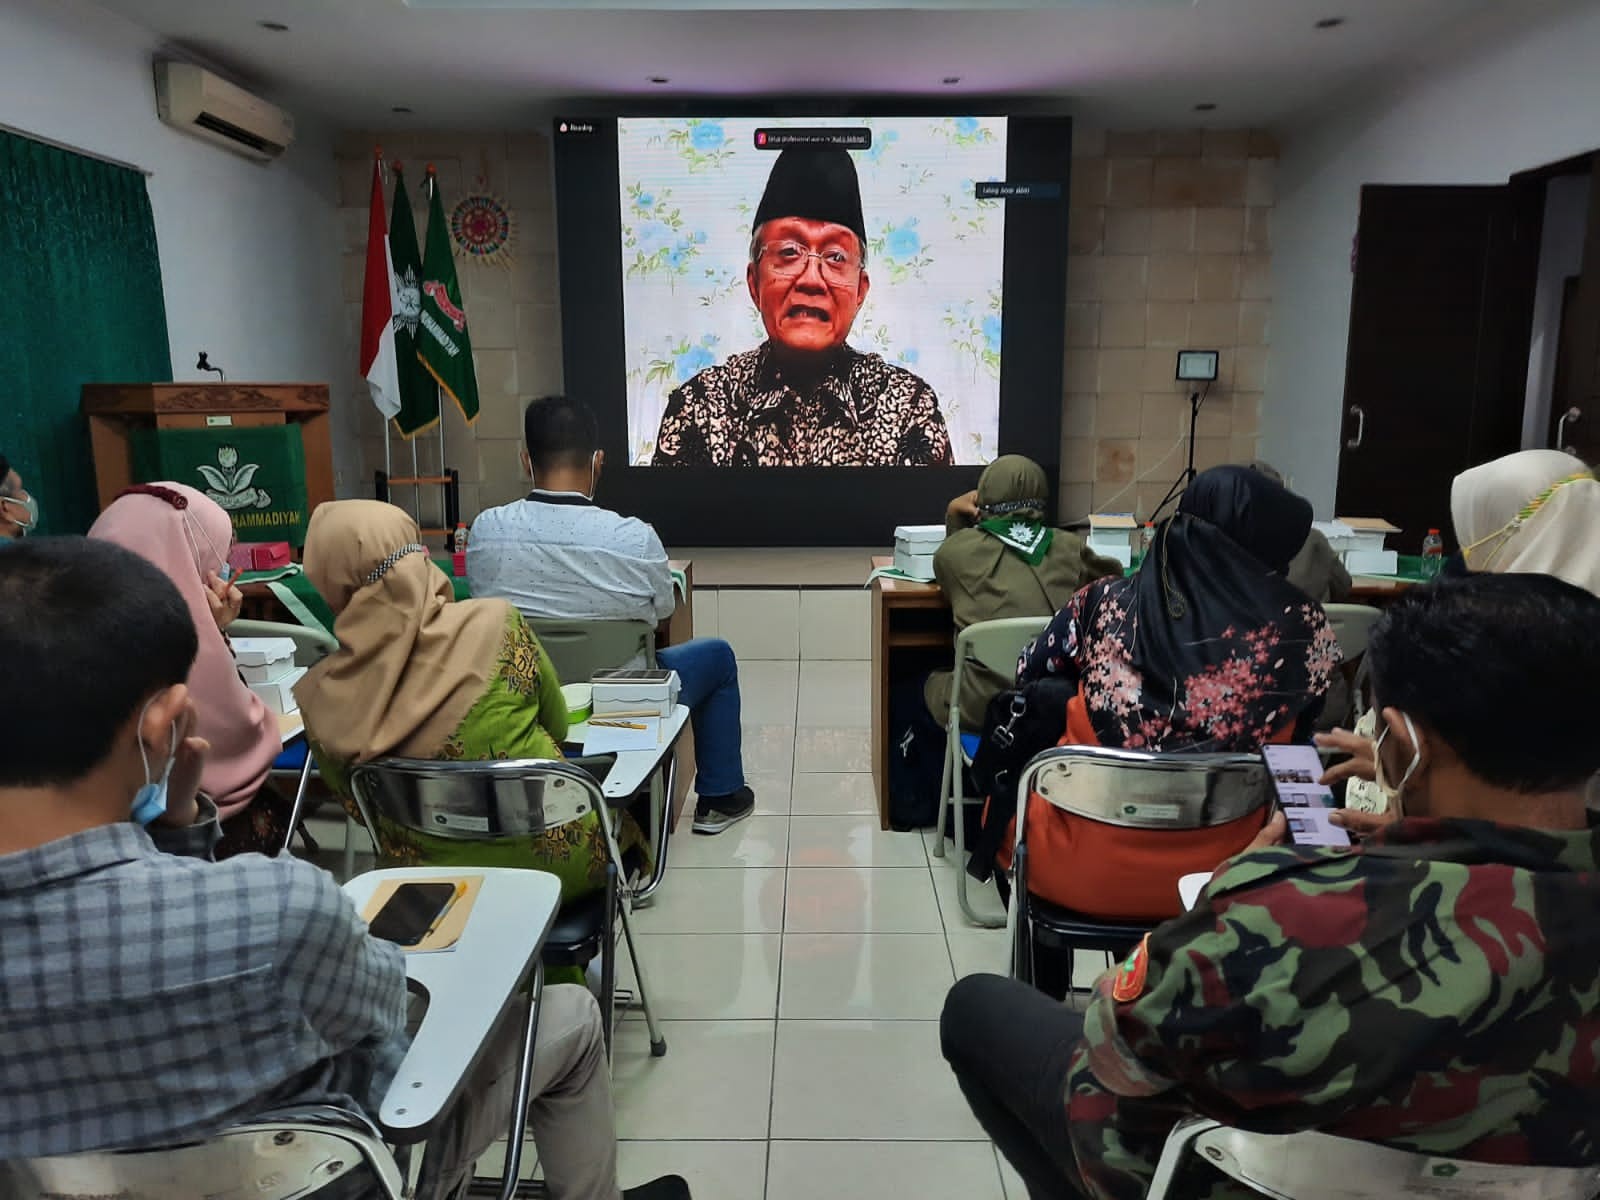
(617,724)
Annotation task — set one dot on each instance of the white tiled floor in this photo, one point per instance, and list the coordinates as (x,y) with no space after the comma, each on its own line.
(799,963)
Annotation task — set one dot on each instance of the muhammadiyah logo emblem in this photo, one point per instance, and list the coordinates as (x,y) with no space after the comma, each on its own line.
(228,483)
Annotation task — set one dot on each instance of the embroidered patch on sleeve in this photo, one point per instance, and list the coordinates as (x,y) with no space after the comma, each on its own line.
(1129,983)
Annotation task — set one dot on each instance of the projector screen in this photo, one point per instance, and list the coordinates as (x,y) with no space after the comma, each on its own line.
(701,315)
(804,328)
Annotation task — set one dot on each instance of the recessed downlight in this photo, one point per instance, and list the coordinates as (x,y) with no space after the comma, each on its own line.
(1329,23)
(1205,106)
(273,26)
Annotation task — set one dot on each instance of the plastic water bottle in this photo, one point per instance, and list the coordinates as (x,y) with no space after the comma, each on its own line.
(1432,554)
(458,551)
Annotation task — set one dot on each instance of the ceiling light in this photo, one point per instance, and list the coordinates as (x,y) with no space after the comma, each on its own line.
(1330,23)
(1205,106)
(950,80)
(273,26)
(658,79)
(400,108)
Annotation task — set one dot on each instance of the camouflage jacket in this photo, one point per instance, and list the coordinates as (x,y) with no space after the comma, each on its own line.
(862,413)
(1436,990)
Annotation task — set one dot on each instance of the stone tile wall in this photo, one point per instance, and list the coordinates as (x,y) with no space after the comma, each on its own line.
(513,312)
(1170,249)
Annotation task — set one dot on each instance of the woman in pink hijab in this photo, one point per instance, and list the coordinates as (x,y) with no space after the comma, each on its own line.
(188,535)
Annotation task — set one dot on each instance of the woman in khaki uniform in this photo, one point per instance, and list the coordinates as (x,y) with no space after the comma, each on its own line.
(1001,559)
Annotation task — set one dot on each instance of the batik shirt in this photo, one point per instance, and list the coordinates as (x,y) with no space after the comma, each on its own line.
(1436,990)
(862,412)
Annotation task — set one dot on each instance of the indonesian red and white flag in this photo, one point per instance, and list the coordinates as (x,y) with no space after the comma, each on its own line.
(379,303)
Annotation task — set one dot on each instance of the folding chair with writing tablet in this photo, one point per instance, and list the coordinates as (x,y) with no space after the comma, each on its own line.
(482,814)
(577,649)
(995,645)
(1319,1166)
(1133,803)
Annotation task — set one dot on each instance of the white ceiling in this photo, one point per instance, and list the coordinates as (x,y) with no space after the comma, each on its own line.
(508,63)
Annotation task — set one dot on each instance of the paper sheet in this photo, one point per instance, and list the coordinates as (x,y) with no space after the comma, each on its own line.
(608,739)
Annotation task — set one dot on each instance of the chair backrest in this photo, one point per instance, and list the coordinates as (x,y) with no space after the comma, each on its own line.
(278,1156)
(1319,1166)
(1138,790)
(578,649)
(468,801)
(310,645)
(1352,625)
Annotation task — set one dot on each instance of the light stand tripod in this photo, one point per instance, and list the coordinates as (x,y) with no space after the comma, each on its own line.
(1196,399)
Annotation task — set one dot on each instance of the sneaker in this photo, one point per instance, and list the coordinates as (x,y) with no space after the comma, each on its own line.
(668,1187)
(713,814)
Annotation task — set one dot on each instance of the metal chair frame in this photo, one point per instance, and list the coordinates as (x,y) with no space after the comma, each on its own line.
(486,801)
(996,645)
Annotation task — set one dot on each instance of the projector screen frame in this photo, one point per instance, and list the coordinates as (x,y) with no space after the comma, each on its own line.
(808,506)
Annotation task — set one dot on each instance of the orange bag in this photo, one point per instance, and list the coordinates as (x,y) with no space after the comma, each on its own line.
(1116,872)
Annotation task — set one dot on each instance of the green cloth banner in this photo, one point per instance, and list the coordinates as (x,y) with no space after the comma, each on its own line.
(419,394)
(257,473)
(442,342)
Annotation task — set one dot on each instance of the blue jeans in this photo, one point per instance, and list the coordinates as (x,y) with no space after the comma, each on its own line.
(709,675)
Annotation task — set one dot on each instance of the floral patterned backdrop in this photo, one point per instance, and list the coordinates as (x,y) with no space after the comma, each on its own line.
(689,190)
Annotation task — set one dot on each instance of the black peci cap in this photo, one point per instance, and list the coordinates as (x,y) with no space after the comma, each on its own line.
(815,184)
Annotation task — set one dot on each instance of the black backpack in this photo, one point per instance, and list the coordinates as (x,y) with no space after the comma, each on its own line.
(1016,726)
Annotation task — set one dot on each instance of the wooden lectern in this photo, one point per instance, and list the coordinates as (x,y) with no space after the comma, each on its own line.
(116,410)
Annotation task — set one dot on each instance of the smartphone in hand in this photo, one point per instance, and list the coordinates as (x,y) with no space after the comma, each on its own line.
(1305,802)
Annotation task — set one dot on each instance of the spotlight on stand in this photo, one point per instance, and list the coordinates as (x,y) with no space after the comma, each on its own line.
(1194,366)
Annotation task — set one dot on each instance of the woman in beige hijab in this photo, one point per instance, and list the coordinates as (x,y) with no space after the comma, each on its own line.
(1535,512)
(421,675)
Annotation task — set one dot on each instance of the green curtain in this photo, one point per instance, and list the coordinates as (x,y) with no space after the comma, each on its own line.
(82,291)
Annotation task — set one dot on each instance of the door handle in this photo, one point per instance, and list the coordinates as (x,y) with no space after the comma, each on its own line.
(1570,417)
(1360,415)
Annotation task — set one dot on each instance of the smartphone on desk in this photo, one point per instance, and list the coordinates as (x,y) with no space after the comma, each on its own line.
(1306,804)
(413,912)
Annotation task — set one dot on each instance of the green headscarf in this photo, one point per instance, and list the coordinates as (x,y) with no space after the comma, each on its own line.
(1012,505)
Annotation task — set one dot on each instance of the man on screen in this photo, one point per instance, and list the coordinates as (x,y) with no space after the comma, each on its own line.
(804,398)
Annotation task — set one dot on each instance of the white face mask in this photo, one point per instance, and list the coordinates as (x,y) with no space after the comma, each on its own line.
(150,801)
(1394,792)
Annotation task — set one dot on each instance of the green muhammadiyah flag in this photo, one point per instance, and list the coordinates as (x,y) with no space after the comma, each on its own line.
(442,341)
(419,395)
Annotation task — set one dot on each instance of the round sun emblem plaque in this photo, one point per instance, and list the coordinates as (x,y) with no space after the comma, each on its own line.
(482,229)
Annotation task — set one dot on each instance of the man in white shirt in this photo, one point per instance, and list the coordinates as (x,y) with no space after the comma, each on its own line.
(558,554)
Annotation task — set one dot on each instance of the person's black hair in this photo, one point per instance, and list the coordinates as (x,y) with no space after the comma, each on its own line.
(88,632)
(559,432)
(1503,669)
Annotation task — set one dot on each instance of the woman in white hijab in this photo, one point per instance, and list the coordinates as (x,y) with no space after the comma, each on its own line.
(1535,512)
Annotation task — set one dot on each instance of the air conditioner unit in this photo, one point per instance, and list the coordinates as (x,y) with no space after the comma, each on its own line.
(200,102)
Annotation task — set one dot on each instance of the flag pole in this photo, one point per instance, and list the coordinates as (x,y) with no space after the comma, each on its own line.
(449,536)
(389,453)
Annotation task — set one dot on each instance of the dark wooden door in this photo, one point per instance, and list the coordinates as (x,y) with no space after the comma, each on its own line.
(1576,390)
(1440,318)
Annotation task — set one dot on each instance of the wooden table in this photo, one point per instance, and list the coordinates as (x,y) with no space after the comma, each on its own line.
(912,631)
(1377,589)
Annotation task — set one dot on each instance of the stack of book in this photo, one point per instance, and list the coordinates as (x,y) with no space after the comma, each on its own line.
(267,667)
